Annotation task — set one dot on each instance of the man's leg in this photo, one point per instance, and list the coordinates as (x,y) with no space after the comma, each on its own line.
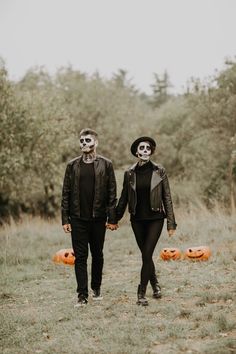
(96,241)
(80,238)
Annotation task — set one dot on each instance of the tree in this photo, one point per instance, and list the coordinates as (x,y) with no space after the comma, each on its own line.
(14,138)
(160,89)
(121,80)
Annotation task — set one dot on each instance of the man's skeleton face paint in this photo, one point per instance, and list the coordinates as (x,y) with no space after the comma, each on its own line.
(88,143)
(144,151)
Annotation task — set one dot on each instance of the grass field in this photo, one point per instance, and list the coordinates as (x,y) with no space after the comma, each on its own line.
(196,314)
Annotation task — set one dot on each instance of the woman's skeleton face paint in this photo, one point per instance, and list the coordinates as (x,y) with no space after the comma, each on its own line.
(144,151)
(88,143)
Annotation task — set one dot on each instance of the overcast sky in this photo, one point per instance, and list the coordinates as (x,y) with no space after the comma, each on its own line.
(185,37)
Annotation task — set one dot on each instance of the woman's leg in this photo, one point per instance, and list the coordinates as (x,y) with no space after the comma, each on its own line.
(139,229)
(139,232)
(147,234)
(153,232)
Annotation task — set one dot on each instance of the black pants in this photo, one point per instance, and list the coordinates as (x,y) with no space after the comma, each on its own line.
(147,233)
(86,233)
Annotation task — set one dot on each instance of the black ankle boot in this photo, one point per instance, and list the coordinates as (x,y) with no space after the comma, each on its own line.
(155,286)
(156,290)
(141,296)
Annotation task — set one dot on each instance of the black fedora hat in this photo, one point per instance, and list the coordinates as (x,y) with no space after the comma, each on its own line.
(135,144)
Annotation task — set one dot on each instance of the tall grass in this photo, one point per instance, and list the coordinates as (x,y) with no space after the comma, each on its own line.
(196,313)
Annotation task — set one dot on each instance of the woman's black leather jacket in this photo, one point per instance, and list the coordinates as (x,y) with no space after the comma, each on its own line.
(160,196)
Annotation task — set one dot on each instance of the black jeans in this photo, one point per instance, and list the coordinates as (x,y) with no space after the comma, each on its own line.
(147,233)
(86,233)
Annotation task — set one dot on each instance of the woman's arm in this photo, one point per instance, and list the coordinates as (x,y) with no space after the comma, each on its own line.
(167,201)
(123,201)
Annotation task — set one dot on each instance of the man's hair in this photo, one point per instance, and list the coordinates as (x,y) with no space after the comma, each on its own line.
(87,131)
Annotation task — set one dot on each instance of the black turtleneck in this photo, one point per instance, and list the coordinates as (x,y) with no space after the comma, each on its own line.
(143,185)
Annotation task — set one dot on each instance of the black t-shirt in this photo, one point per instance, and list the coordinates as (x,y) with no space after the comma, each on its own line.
(143,186)
(86,190)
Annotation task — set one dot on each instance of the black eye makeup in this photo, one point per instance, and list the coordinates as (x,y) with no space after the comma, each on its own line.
(142,147)
(87,140)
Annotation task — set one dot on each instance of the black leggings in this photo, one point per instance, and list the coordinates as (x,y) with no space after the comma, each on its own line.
(147,233)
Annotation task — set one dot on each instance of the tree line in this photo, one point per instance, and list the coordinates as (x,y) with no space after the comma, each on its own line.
(41,117)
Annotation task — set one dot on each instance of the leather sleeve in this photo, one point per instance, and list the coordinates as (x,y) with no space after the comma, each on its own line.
(123,201)
(66,190)
(167,201)
(111,195)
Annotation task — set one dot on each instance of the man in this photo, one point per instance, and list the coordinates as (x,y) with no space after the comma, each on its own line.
(88,207)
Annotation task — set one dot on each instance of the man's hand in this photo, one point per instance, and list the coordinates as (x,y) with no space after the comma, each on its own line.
(171,232)
(67,228)
(112,227)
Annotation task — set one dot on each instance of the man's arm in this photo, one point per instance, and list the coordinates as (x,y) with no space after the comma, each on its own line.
(111,195)
(66,190)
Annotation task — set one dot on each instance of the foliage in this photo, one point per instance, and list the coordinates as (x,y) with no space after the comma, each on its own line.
(41,117)
(198,133)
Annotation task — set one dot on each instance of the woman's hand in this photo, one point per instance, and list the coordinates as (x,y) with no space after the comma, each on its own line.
(67,228)
(112,227)
(171,232)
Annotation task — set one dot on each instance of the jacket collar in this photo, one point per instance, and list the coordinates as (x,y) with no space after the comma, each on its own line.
(154,166)
(96,158)
(155,180)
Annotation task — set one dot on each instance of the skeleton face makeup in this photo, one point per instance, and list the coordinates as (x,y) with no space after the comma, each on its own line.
(88,143)
(144,151)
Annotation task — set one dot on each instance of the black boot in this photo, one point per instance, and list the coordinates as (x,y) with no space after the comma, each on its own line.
(156,289)
(141,296)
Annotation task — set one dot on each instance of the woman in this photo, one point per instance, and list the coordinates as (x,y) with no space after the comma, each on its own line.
(146,191)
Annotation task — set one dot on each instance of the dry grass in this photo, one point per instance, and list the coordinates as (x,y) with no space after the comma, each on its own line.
(196,314)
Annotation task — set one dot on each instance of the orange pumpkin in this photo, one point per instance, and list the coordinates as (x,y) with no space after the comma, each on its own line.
(170,253)
(65,256)
(201,253)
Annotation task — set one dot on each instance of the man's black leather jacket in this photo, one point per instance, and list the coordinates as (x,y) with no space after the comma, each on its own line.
(160,196)
(104,191)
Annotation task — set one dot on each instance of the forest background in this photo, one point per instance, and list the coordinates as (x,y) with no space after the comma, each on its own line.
(41,117)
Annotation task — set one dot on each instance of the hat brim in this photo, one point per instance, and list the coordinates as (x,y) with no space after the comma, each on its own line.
(135,144)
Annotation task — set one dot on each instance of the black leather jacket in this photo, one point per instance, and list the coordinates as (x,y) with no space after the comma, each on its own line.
(160,196)
(104,194)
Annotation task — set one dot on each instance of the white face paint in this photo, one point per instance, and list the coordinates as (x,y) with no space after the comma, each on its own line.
(88,143)
(144,151)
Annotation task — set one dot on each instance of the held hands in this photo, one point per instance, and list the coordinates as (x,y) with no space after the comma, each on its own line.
(112,227)
(171,232)
(67,228)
